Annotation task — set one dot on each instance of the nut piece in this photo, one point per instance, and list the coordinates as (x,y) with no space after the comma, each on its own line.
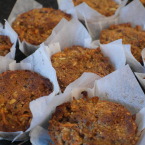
(12,101)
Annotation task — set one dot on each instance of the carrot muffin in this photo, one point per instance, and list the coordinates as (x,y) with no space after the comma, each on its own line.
(90,121)
(36,25)
(129,35)
(72,62)
(5,45)
(17,89)
(105,7)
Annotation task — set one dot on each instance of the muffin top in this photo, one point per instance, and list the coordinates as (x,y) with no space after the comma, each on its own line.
(73,61)
(36,25)
(5,45)
(128,34)
(105,7)
(17,89)
(89,121)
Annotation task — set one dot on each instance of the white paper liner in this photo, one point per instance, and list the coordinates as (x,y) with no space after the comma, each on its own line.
(115,52)
(67,6)
(55,31)
(140,76)
(130,59)
(89,15)
(41,64)
(4,63)
(37,62)
(141,79)
(8,31)
(22,6)
(74,33)
(111,86)
(133,13)
(125,51)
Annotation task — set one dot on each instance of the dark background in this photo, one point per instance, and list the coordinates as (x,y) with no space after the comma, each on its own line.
(5,9)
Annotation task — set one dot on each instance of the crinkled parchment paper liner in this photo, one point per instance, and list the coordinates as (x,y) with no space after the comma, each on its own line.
(130,59)
(141,76)
(74,33)
(20,7)
(120,86)
(8,31)
(90,16)
(37,62)
(133,13)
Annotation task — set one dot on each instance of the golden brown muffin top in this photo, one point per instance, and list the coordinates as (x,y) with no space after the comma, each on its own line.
(72,62)
(105,7)
(143,2)
(17,90)
(36,25)
(90,121)
(129,35)
(5,45)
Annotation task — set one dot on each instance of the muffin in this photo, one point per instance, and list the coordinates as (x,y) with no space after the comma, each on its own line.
(90,121)
(17,89)
(5,45)
(72,62)
(36,25)
(128,34)
(105,7)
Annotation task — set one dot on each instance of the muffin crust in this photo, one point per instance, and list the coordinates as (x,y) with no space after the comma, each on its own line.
(105,7)
(72,62)
(129,35)
(17,89)
(36,25)
(90,121)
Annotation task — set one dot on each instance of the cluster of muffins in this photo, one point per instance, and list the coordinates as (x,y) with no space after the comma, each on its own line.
(85,121)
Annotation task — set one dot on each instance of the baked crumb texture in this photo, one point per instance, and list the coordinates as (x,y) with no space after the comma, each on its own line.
(129,35)
(5,45)
(105,7)
(89,121)
(72,62)
(17,89)
(36,25)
